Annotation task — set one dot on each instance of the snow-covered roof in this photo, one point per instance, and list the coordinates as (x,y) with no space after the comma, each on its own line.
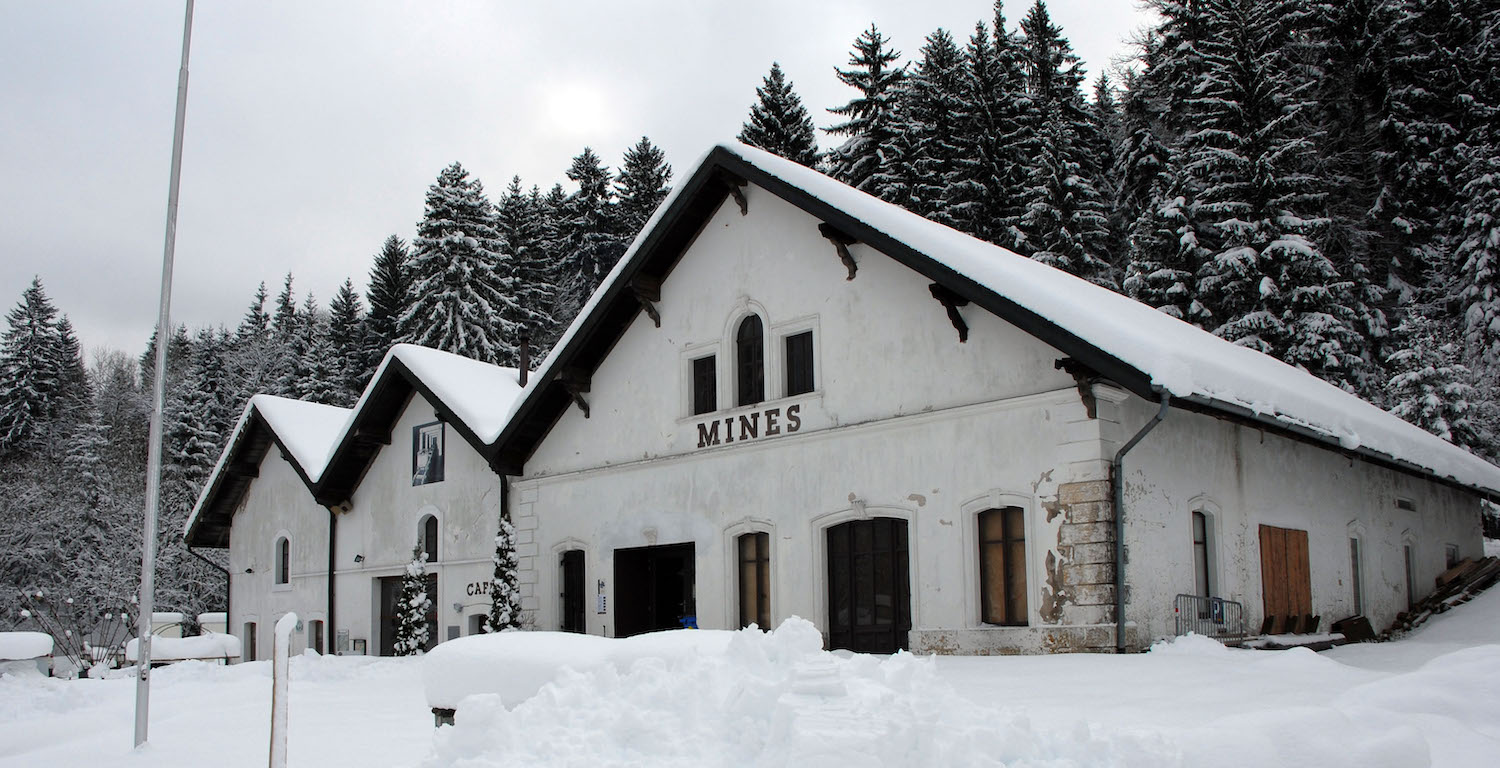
(476,396)
(1143,349)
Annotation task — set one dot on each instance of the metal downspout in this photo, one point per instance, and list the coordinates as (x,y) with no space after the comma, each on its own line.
(1117,479)
(333,529)
(228,593)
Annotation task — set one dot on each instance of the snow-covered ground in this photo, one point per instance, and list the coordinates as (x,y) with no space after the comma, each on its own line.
(1429,699)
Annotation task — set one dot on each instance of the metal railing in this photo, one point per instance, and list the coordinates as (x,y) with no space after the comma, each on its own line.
(1211,617)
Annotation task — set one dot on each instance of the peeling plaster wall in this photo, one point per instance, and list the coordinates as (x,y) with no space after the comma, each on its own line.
(1244,478)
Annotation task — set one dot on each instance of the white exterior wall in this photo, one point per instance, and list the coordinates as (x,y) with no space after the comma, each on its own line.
(382,526)
(1243,478)
(905,422)
(277,504)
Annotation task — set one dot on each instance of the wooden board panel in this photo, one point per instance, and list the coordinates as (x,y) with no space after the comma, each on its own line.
(1298,573)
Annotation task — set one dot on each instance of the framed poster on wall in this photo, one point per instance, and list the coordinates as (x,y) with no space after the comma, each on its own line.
(427,450)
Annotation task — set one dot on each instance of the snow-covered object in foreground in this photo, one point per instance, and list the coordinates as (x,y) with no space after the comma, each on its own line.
(1173,356)
(183,648)
(19,646)
(515,665)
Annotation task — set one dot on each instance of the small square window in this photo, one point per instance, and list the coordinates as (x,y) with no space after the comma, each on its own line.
(705,385)
(799,363)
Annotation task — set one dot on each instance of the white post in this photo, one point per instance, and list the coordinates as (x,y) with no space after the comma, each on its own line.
(281,652)
(153,457)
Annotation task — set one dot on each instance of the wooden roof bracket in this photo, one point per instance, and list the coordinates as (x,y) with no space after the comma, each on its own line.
(951,302)
(375,436)
(736,187)
(576,383)
(243,469)
(841,243)
(1084,378)
(647,291)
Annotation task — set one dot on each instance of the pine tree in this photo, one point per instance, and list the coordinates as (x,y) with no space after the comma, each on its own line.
(589,232)
(32,372)
(412,607)
(390,297)
(320,377)
(256,323)
(869,116)
(523,230)
(284,322)
(1266,283)
(933,110)
(779,123)
(1430,388)
(1143,158)
(505,586)
(347,343)
(198,416)
(462,296)
(1164,256)
(643,184)
(1478,257)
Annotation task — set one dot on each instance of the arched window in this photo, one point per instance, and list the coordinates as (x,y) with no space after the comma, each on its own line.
(755,579)
(1202,582)
(283,561)
(750,362)
(427,534)
(1002,566)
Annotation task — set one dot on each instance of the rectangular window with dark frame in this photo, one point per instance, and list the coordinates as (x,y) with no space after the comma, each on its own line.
(1002,566)
(1200,555)
(755,580)
(1355,577)
(799,363)
(705,385)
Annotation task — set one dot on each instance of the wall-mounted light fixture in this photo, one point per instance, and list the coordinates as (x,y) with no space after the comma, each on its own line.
(249,570)
(359,558)
(458,607)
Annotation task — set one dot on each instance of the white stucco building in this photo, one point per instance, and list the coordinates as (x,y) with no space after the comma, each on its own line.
(790,398)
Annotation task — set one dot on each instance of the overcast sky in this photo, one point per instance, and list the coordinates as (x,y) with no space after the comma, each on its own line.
(315,128)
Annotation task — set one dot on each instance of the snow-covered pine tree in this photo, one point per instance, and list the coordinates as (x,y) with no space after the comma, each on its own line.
(199,414)
(1164,256)
(1478,257)
(567,283)
(346,338)
(461,292)
(1265,283)
(1106,143)
(1429,387)
(284,321)
(934,107)
(1174,59)
(413,604)
(1066,223)
(588,231)
(320,375)
(505,585)
(1143,158)
(869,116)
(523,231)
(778,122)
(390,297)
(32,372)
(644,181)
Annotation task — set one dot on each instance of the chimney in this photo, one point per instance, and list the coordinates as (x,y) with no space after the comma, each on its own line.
(524,353)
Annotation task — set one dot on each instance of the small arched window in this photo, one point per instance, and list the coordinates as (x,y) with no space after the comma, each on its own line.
(427,534)
(283,561)
(750,362)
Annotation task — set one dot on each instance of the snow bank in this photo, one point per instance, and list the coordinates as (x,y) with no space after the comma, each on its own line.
(183,648)
(771,699)
(515,665)
(17,646)
(1189,645)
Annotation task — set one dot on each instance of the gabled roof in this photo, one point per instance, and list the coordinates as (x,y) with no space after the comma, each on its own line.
(302,431)
(474,397)
(1137,347)
(331,448)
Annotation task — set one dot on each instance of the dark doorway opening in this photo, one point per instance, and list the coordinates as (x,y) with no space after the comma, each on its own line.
(572,591)
(654,589)
(390,590)
(869,595)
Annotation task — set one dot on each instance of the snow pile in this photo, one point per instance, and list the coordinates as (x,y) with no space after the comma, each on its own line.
(765,699)
(515,665)
(1189,645)
(182,648)
(18,646)
(308,430)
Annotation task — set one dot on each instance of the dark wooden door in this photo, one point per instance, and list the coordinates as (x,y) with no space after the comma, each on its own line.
(1286,582)
(654,589)
(390,592)
(572,591)
(869,593)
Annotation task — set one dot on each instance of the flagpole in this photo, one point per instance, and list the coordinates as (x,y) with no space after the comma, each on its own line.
(153,461)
